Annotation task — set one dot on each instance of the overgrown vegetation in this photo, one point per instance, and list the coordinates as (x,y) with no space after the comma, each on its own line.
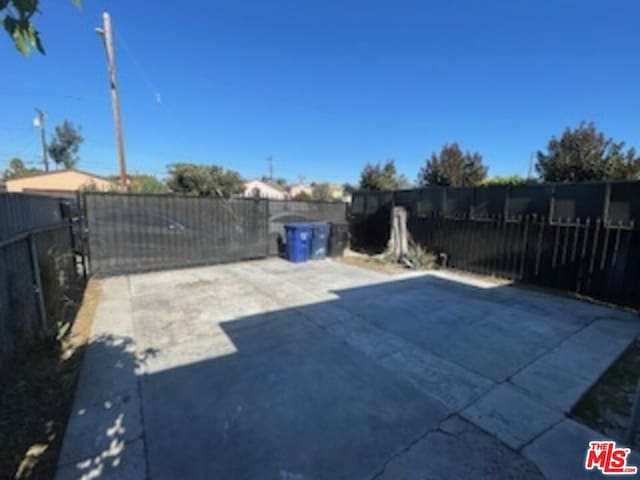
(420,258)
(607,406)
(37,395)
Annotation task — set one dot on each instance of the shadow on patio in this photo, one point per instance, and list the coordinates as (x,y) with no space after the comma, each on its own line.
(385,380)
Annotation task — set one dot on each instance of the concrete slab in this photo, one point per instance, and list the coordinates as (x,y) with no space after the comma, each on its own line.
(106,409)
(552,383)
(478,456)
(120,461)
(452,385)
(95,429)
(511,415)
(560,453)
(109,370)
(268,369)
(309,409)
(589,352)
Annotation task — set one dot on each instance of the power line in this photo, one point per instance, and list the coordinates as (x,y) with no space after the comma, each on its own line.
(138,64)
(18,93)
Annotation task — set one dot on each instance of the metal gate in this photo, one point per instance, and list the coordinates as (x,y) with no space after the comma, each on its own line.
(135,233)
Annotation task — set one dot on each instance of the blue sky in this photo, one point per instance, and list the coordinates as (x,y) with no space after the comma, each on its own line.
(326,86)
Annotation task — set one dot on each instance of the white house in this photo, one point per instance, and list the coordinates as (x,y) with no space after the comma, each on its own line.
(297,189)
(264,189)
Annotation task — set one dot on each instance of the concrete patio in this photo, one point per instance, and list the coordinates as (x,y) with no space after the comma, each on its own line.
(321,370)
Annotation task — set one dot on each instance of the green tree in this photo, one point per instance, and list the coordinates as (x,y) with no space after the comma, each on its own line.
(17,18)
(348,188)
(379,177)
(506,180)
(146,184)
(18,169)
(65,144)
(304,196)
(453,168)
(322,192)
(585,154)
(204,180)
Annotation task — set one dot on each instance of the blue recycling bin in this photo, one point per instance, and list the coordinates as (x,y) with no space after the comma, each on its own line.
(298,241)
(319,240)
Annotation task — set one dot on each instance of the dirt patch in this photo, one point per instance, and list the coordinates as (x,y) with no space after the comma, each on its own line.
(37,397)
(375,264)
(417,259)
(607,406)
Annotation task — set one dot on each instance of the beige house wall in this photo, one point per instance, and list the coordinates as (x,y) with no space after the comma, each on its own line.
(62,182)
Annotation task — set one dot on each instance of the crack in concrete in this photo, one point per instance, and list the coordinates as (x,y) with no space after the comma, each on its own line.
(398,454)
(413,443)
(142,436)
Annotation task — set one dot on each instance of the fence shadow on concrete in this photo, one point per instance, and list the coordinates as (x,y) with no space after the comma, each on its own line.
(321,389)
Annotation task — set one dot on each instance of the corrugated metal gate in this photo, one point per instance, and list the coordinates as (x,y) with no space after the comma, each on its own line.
(136,233)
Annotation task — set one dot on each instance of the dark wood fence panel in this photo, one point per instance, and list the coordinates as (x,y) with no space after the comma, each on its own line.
(542,234)
(20,212)
(136,233)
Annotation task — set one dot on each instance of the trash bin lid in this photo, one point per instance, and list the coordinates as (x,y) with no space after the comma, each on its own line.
(295,226)
(320,226)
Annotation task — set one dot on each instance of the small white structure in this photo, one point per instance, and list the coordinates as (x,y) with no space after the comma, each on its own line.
(264,189)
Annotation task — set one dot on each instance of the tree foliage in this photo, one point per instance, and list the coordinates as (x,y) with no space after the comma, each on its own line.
(18,169)
(585,154)
(17,16)
(452,167)
(380,177)
(348,188)
(65,144)
(506,180)
(322,192)
(204,180)
(146,184)
(302,196)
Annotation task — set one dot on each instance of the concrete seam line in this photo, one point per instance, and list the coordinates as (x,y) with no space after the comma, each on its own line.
(551,427)
(409,446)
(553,347)
(142,437)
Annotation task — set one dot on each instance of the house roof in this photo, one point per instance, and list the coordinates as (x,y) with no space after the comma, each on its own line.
(271,184)
(57,172)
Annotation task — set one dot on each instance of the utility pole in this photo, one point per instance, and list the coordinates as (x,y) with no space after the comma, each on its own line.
(39,122)
(530,172)
(107,34)
(270,161)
